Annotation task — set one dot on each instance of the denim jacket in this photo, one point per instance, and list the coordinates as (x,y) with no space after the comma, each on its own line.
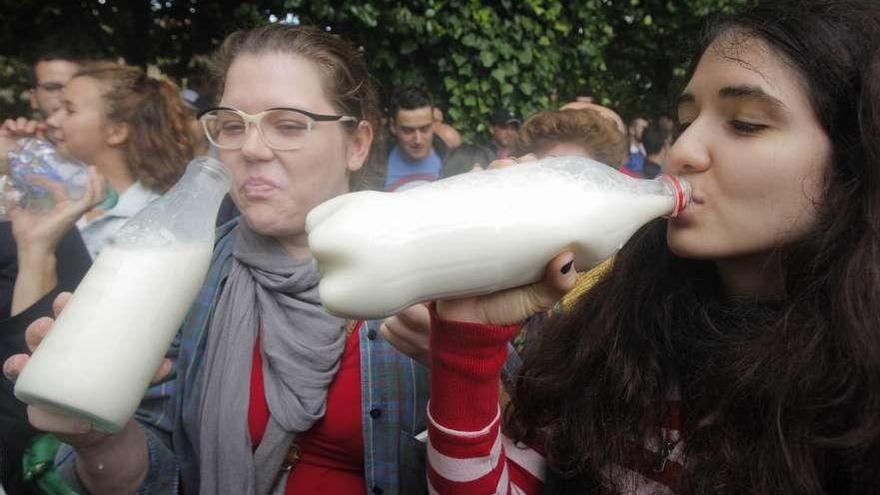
(394,396)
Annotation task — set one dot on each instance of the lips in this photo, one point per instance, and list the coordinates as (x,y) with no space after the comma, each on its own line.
(258,187)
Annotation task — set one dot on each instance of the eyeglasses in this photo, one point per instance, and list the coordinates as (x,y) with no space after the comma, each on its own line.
(282,129)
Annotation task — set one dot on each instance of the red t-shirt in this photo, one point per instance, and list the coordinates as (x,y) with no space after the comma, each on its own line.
(333,449)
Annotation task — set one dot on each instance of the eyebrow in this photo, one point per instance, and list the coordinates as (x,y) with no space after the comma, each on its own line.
(751,92)
(413,128)
(741,91)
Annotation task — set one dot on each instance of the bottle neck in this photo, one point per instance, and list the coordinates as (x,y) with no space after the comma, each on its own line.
(680,191)
(209,179)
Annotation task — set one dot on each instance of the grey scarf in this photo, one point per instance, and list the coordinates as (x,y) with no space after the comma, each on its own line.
(301,347)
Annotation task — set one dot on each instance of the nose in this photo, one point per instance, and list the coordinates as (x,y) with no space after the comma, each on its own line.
(254,147)
(420,137)
(55,118)
(690,152)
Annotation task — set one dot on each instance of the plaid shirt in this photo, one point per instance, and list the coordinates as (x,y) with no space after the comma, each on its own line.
(394,395)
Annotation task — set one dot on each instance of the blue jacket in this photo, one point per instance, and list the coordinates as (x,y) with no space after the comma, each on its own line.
(394,395)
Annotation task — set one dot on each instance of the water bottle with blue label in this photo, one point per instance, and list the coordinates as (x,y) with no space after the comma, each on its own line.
(38,158)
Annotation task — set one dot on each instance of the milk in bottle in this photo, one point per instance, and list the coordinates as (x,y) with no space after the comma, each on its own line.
(107,344)
(477,233)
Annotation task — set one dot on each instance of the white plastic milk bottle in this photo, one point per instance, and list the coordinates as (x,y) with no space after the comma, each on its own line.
(107,344)
(478,232)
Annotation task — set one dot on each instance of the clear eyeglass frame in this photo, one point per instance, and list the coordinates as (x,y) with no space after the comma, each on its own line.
(295,138)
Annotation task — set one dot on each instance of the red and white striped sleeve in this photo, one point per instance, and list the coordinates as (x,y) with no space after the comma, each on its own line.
(467,453)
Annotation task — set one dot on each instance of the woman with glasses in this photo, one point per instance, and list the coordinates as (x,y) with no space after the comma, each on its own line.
(267,393)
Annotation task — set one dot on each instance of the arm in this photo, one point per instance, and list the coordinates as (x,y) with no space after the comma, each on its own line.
(37,236)
(467,452)
(104,463)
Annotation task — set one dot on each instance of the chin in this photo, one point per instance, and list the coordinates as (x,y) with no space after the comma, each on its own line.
(689,245)
(267,221)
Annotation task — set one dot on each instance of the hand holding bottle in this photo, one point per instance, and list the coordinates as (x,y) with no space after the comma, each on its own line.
(41,231)
(108,463)
(477,233)
(73,431)
(410,330)
(511,306)
(14,129)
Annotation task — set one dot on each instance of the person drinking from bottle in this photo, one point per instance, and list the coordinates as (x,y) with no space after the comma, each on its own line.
(265,392)
(732,349)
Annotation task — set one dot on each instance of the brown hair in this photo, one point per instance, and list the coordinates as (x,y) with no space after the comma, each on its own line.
(346,80)
(597,134)
(160,142)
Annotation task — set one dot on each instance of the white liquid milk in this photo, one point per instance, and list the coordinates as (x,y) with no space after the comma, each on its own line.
(381,252)
(104,349)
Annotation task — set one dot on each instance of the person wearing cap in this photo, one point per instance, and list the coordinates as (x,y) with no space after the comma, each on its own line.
(503,125)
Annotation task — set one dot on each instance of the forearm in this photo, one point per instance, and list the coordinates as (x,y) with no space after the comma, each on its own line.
(117,464)
(37,275)
(466,371)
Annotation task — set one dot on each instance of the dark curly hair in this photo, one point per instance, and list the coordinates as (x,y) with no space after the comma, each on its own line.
(777,396)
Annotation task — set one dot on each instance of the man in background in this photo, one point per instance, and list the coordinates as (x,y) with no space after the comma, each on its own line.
(636,151)
(656,141)
(503,126)
(413,157)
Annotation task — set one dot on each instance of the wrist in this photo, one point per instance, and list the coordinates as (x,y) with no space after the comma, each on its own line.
(455,335)
(36,256)
(113,463)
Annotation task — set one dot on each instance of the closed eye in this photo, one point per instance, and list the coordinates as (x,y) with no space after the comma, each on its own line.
(747,128)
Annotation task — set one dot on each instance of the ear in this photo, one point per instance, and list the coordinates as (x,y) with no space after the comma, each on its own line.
(392,126)
(116,133)
(32,95)
(359,146)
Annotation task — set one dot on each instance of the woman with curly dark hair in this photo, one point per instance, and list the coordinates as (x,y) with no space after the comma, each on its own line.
(733,349)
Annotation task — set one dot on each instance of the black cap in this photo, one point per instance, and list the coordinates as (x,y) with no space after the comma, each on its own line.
(502,116)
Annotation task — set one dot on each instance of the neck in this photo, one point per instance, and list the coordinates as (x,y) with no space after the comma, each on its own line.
(113,167)
(756,275)
(295,246)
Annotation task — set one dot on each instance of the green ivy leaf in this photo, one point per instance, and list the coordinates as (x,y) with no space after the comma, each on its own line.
(488,58)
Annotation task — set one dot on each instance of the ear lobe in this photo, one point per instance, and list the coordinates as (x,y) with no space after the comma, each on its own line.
(359,146)
(117,133)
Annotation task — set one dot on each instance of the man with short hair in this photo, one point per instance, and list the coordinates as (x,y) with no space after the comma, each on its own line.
(49,75)
(636,151)
(503,125)
(656,141)
(413,159)
(53,67)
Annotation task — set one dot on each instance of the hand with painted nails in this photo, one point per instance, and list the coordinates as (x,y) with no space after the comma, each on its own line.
(515,305)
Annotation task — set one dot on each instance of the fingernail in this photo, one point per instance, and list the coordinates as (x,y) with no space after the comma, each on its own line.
(567,267)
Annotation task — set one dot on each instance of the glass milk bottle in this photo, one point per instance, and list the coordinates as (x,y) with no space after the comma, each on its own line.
(107,344)
(478,232)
